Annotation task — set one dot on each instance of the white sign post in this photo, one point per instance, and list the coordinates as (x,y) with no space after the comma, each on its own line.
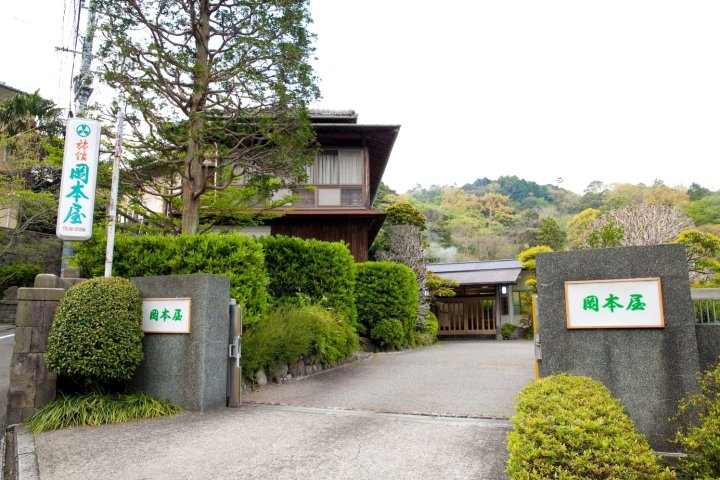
(79,175)
(166,315)
(622,303)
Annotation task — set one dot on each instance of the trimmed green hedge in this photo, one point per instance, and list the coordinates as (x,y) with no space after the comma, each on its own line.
(322,272)
(699,432)
(570,427)
(234,255)
(18,274)
(386,290)
(388,333)
(96,337)
(289,332)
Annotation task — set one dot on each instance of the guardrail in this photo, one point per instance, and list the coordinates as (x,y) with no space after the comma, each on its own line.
(706,304)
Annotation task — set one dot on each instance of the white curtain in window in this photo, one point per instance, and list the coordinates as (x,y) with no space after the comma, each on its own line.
(327,168)
(351,167)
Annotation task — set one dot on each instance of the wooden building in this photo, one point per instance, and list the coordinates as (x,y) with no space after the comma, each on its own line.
(343,181)
(484,300)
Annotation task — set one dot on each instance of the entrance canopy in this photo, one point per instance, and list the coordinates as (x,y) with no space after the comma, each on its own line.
(482,298)
(491,272)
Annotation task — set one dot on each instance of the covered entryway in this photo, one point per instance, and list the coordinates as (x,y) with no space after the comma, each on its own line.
(484,300)
(467,316)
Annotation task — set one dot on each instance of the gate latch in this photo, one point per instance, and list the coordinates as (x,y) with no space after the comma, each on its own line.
(235,349)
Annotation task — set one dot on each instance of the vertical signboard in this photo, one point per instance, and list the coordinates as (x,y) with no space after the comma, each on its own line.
(79,174)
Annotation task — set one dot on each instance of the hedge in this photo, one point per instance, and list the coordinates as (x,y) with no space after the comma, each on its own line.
(289,332)
(322,272)
(570,427)
(383,291)
(96,337)
(699,432)
(234,255)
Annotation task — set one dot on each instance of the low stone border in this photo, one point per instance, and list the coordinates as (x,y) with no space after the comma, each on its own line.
(21,454)
(305,367)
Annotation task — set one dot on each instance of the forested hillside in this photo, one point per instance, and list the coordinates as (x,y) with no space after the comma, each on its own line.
(492,219)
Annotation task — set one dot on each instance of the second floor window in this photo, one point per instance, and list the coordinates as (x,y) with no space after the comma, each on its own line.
(338,167)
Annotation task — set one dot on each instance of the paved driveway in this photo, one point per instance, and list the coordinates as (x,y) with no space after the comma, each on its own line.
(452,378)
(342,431)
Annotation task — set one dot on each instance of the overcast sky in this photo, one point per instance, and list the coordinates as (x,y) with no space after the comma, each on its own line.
(616,91)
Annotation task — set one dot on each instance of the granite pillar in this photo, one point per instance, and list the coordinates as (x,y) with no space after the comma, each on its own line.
(648,369)
(188,369)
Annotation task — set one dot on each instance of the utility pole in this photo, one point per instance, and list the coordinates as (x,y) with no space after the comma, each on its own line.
(112,204)
(83,89)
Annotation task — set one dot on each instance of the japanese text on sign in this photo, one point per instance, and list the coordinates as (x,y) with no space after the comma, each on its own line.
(623,303)
(166,315)
(79,172)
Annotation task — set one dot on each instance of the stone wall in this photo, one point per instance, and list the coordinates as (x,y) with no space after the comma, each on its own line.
(32,385)
(708,340)
(8,311)
(649,369)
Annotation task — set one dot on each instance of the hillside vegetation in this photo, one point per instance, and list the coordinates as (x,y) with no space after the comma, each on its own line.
(492,219)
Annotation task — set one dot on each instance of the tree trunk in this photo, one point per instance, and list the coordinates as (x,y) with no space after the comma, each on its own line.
(193,181)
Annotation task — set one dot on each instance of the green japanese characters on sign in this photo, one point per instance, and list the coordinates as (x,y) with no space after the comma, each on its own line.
(635,303)
(166,315)
(622,303)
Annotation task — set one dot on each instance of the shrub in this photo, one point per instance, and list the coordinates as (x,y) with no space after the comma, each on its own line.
(18,274)
(96,409)
(234,255)
(699,437)
(570,427)
(430,325)
(320,271)
(426,332)
(507,330)
(289,332)
(388,333)
(96,335)
(385,290)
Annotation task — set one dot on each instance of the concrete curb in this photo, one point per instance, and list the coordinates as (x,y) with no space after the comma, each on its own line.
(25,456)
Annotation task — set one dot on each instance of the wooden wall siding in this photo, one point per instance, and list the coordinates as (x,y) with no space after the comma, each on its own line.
(467,316)
(354,232)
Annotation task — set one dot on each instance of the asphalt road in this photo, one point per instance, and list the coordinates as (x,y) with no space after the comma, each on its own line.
(6,346)
(347,423)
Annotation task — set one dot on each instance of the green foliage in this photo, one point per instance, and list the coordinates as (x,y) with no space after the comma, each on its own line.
(388,333)
(289,332)
(507,330)
(96,336)
(569,427)
(699,434)
(703,254)
(578,228)
(425,333)
(696,192)
(98,409)
(386,290)
(439,287)
(705,210)
(404,213)
(233,95)
(527,257)
(430,326)
(610,235)
(321,271)
(550,234)
(236,256)
(18,274)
